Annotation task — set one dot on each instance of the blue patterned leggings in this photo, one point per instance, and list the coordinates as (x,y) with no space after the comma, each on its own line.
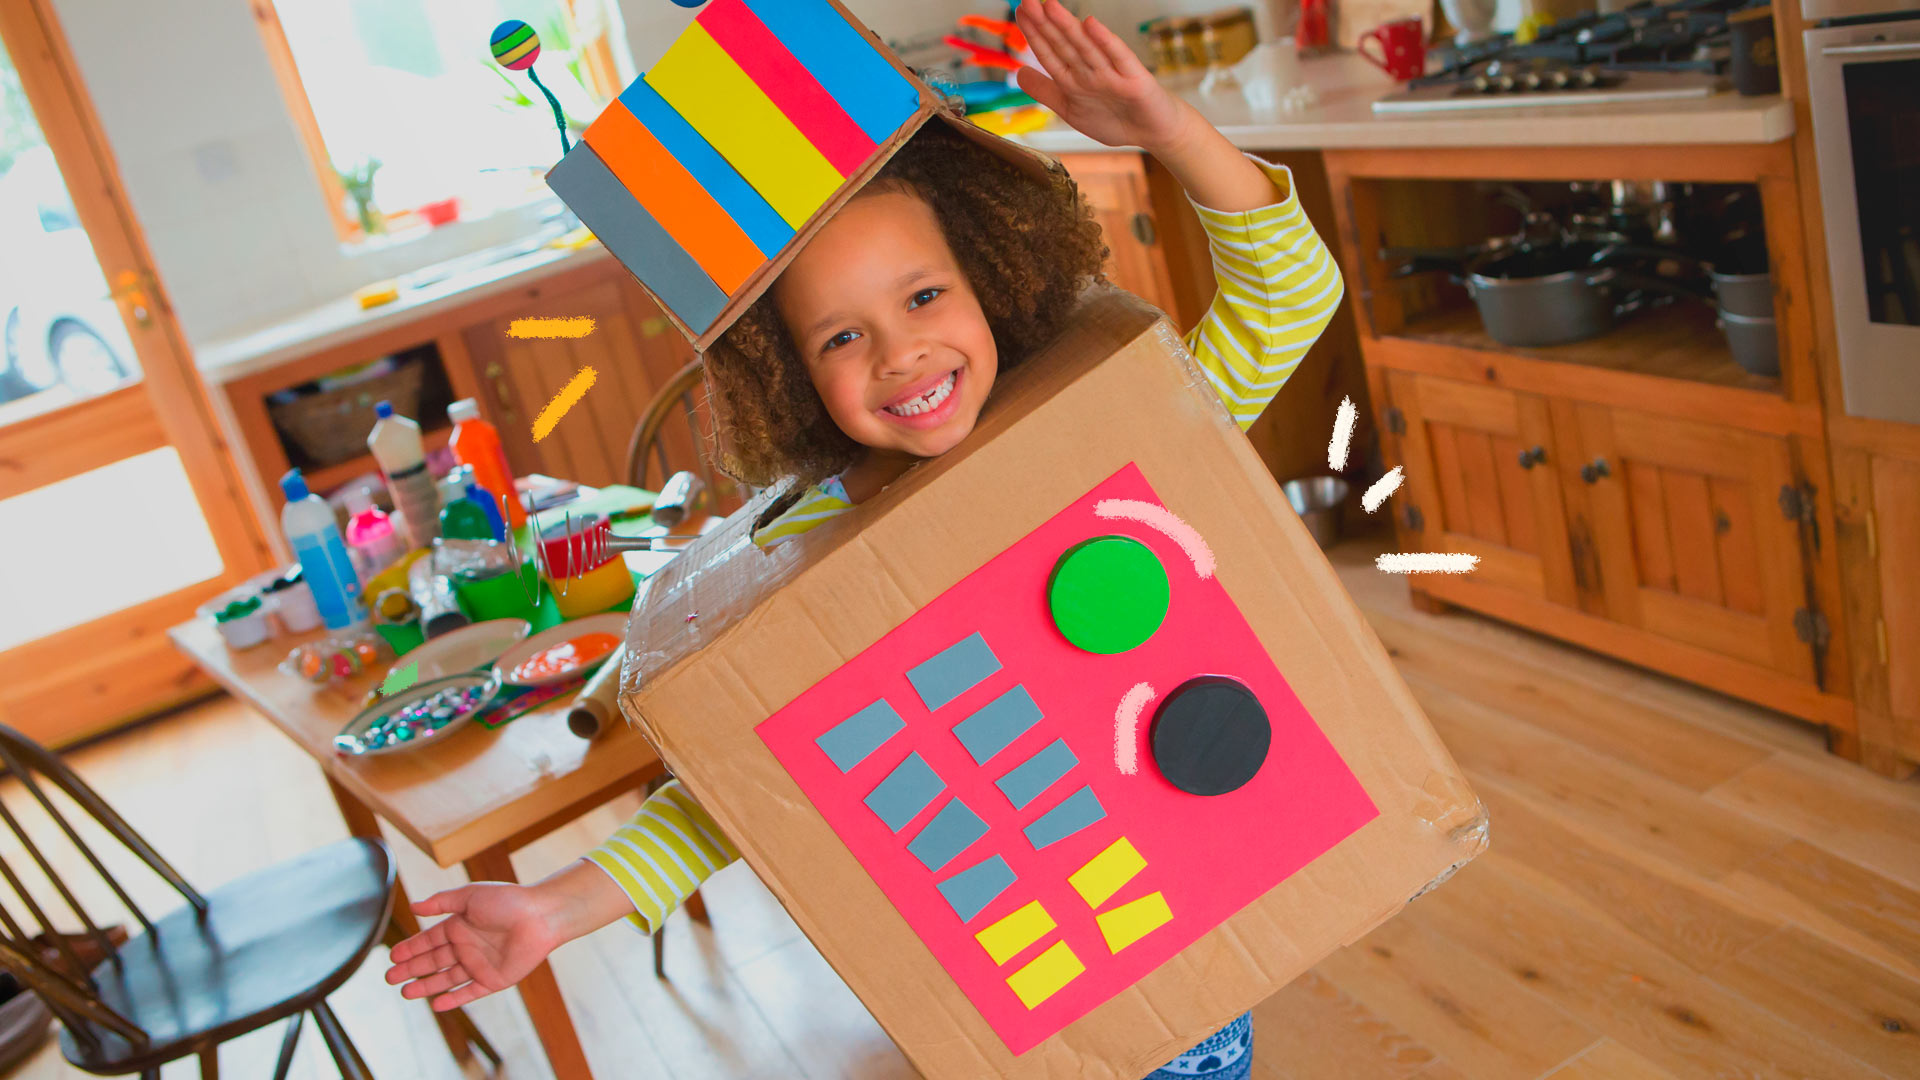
(1227,1054)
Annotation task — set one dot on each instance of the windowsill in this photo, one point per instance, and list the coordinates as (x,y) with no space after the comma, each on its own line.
(444,241)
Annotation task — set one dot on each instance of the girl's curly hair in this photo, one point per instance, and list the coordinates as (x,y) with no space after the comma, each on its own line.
(1027,247)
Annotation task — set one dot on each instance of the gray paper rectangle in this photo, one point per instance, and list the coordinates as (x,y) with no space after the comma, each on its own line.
(605,205)
(972,889)
(997,723)
(905,792)
(953,671)
(1076,812)
(953,830)
(849,742)
(1026,781)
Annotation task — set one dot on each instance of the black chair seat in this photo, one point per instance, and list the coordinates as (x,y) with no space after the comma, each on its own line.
(269,945)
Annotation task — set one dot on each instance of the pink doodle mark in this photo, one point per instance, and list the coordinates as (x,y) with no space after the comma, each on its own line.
(1126,728)
(1161,520)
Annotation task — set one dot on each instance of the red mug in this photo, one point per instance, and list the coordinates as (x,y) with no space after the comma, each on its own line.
(1403,48)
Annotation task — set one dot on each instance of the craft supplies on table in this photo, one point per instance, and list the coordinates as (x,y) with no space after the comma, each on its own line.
(476,444)
(583,571)
(315,538)
(499,593)
(337,658)
(599,702)
(423,713)
(559,653)
(370,535)
(291,601)
(241,620)
(469,648)
(433,594)
(465,518)
(396,446)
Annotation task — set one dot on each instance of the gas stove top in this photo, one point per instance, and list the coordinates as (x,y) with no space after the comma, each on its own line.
(1647,52)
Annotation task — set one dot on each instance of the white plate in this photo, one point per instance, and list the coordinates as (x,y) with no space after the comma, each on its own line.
(467,648)
(612,622)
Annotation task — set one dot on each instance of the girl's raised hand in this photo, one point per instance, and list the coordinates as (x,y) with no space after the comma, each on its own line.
(1095,82)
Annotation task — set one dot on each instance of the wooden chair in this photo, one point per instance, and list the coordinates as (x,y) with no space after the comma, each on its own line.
(269,946)
(659,431)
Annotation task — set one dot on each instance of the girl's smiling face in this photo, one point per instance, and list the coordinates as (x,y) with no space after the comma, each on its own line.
(889,327)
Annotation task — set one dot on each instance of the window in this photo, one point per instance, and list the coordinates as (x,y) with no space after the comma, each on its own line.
(410,88)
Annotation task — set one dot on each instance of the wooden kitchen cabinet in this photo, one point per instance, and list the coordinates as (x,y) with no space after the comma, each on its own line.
(1700,538)
(1115,186)
(633,350)
(1876,481)
(1480,480)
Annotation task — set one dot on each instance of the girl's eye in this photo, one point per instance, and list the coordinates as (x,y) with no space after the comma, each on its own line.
(924,296)
(844,337)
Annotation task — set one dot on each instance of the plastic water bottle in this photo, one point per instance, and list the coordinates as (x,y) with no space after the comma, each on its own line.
(395,442)
(315,537)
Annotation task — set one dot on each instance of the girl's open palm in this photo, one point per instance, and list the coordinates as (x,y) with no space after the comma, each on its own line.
(1094,81)
(494,936)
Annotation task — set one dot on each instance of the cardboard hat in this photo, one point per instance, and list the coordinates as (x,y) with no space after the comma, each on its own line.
(708,173)
(1068,746)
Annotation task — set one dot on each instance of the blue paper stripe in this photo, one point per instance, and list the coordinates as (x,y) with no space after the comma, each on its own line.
(953,671)
(906,791)
(755,216)
(953,830)
(849,742)
(972,889)
(591,190)
(997,724)
(1031,778)
(1076,812)
(878,98)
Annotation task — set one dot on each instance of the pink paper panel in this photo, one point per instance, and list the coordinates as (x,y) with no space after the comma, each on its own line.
(1205,857)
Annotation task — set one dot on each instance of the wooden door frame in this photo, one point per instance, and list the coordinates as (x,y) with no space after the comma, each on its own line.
(135,669)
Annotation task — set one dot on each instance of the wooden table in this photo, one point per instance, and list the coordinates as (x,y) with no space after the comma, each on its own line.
(474,800)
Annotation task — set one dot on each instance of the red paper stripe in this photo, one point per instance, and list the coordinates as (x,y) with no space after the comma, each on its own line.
(786,81)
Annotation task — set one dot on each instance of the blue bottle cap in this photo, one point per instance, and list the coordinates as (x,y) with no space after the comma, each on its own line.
(383,409)
(294,485)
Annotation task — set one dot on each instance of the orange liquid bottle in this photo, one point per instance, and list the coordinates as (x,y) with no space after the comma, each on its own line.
(476,443)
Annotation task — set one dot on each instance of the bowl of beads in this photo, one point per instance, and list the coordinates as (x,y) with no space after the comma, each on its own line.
(423,713)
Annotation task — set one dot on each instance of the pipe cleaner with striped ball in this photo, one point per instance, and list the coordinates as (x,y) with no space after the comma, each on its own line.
(515,47)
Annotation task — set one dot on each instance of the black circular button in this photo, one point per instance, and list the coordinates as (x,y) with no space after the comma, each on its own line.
(1210,736)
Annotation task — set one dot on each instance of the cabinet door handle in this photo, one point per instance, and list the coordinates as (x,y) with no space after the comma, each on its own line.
(1535,456)
(1592,473)
(1143,230)
(501,397)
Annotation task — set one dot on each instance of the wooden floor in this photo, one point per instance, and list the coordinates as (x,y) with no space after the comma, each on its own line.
(1678,886)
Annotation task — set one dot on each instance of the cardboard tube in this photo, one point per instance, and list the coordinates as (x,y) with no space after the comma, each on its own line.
(598,705)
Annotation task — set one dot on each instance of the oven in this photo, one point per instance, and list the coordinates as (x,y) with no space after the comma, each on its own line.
(1863,80)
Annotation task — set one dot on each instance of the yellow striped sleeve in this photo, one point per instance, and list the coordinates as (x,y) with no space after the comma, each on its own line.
(1277,287)
(816,507)
(661,856)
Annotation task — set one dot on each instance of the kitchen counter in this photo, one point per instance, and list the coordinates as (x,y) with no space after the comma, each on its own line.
(1343,118)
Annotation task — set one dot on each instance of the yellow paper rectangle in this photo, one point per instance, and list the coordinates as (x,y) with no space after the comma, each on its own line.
(1132,921)
(1004,939)
(1106,872)
(1045,974)
(711,92)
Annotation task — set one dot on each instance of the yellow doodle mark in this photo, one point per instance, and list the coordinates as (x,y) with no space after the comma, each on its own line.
(1006,939)
(573,326)
(1045,974)
(1130,922)
(567,398)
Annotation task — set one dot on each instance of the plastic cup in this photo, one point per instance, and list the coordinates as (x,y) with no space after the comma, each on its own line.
(499,596)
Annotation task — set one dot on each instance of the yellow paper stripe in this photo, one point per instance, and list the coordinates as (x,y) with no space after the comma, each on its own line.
(1045,975)
(706,87)
(1130,922)
(1106,872)
(1004,939)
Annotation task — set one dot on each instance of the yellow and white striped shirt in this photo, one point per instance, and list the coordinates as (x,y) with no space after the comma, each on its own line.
(1277,288)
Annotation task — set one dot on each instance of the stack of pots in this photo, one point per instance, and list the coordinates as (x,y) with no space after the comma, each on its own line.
(1745,298)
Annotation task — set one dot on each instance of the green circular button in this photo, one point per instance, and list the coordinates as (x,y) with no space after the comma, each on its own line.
(1108,594)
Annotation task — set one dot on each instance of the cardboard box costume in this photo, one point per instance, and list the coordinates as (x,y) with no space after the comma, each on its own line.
(1067,747)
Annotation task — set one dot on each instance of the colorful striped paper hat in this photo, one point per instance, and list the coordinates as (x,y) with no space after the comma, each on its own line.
(758,122)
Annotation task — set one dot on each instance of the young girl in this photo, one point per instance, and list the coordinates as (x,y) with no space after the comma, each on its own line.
(877,348)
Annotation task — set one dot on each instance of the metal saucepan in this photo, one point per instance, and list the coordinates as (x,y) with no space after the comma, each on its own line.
(1552,294)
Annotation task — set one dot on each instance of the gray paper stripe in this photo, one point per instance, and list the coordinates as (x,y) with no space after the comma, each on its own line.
(1029,779)
(1079,810)
(604,204)
(997,723)
(953,830)
(905,792)
(849,742)
(972,889)
(953,671)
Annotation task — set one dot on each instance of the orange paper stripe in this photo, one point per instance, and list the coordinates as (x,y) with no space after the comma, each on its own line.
(674,198)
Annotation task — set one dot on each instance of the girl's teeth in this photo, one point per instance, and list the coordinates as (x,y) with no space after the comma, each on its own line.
(926,402)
